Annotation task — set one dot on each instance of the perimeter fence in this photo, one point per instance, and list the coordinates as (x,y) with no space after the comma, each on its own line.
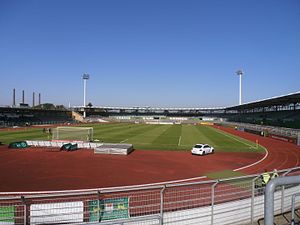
(237,200)
(281,131)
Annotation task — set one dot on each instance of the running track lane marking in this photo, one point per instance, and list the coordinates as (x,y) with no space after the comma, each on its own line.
(244,167)
(108,188)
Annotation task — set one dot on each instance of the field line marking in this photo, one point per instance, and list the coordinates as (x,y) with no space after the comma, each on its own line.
(179,141)
(244,167)
(124,140)
(234,138)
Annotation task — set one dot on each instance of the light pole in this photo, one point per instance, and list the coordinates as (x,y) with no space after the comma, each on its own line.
(240,73)
(85,77)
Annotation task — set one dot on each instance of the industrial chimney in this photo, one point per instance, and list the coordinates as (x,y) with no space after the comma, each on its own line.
(23,97)
(33,99)
(14,97)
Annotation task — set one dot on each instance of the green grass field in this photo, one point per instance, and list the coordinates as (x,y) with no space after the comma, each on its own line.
(154,137)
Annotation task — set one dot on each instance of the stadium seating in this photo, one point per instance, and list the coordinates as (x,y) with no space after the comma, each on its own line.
(286,118)
(23,117)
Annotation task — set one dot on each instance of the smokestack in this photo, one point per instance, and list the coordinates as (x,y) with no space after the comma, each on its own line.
(39,98)
(14,97)
(33,99)
(23,96)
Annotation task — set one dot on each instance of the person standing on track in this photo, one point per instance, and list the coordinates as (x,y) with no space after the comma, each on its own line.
(265,178)
(274,174)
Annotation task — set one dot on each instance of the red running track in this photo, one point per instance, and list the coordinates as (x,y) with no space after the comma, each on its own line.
(281,155)
(37,169)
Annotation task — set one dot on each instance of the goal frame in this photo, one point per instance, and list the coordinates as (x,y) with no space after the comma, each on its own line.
(84,134)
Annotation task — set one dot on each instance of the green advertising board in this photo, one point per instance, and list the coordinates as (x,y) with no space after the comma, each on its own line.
(7,214)
(108,209)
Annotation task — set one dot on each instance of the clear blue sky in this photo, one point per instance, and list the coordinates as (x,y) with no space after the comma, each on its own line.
(160,53)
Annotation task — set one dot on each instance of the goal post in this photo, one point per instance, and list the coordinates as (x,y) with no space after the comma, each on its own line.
(73,133)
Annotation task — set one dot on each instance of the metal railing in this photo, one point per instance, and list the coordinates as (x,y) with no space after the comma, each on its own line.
(237,200)
(288,132)
(294,207)
(7,124)
(269,196)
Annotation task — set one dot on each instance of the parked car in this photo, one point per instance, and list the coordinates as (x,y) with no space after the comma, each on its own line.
(202,149)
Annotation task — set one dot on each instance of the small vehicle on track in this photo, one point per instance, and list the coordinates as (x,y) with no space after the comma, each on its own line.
(202,149)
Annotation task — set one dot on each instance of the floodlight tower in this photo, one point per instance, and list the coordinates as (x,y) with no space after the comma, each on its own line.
(85,77)
(240,73)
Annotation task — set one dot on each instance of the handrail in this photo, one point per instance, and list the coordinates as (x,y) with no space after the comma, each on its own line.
(269,195)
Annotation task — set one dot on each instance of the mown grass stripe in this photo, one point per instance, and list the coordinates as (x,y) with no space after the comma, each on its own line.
(145,140)
(169,136)
(133,133)
(123,133)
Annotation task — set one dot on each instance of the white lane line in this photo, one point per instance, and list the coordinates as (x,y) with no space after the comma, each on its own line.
(244,167)
(179,140)
(124,140)
(108,188)
(160,183)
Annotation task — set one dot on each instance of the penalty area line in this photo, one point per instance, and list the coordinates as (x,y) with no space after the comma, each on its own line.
(124,140)
(179,141)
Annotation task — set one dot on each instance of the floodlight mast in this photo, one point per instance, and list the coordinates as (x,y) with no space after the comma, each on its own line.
(240,73)
(85,77)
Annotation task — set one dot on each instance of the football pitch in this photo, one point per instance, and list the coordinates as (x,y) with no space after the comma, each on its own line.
(152,137)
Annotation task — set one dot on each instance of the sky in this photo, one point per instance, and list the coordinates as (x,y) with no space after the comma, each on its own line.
(157,53)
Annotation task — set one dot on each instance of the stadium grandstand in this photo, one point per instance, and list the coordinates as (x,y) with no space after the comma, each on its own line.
(20,116)
(276,111)
(281,111)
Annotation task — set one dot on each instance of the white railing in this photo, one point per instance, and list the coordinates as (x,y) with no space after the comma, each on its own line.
(227,201)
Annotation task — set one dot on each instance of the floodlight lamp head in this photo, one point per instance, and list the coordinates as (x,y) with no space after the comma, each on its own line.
(239,72)
(85,76)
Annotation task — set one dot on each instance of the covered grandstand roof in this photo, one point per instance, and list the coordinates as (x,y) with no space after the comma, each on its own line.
(284,100)
(293,98)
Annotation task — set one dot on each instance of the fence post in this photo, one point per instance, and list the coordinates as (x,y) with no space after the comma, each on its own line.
(99,205)
(25,209)
(283,193)
(252,198)
(293,207)
(213,201)
(162,205)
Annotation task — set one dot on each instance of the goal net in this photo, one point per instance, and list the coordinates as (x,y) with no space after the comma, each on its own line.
(73,133)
